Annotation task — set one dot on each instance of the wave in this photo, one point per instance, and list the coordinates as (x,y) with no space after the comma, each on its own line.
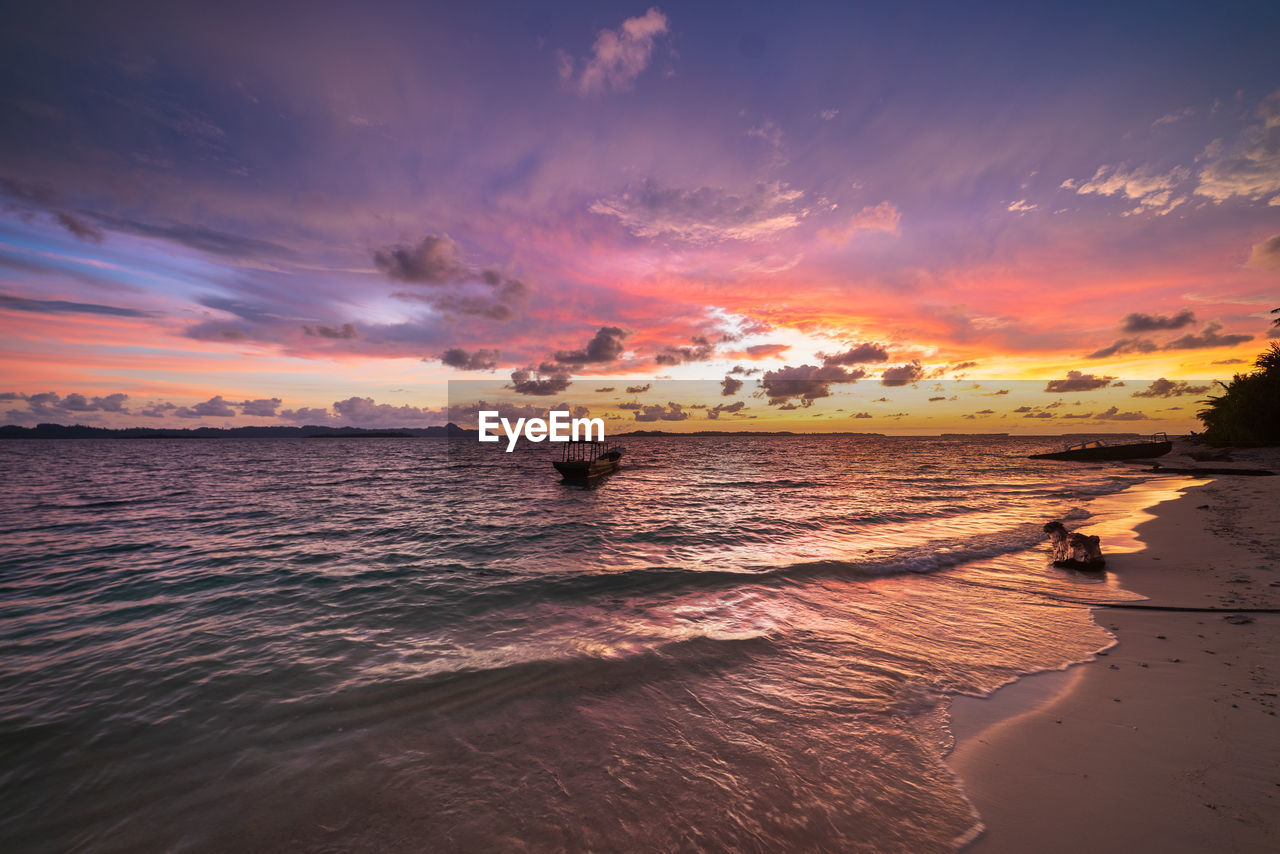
(657,580)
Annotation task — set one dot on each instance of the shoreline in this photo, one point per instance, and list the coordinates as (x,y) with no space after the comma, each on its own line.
(1169,739)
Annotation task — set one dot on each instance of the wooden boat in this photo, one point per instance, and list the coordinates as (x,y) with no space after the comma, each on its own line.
(584,461)
(1096,452)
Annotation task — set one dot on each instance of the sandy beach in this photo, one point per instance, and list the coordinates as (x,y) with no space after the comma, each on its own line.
(1170,739)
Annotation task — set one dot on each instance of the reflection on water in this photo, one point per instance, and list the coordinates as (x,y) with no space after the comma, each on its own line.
(408,644)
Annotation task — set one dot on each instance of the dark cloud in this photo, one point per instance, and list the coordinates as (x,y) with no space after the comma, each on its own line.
(701,351)
(157,410)
(1038,415)
(606,388)
(263,406)
(732,408)
(346,332)
(57,306)
(214,407)
(1138,322)
(764,351)
(49,404)
(746,372)
(195,237)
(729,386)
(365,412)
(78,227)
(1114,414)
(1208,338)
(902,374)
(605,346)
(863,415)
(480,360)
(638,389)
(932,399)
(658,412)
(962,366)
(858,354)
(805,382)
(1076,381)
(1124,345)
(539,383)
(1170,388)
(432,261)
(306,415)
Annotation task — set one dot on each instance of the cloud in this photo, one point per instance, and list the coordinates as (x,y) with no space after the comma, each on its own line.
(1076,381)
(605,388)
(701,351)
(729,386)
(57,306)
(705,214)
(1265,255)
(306,415)
(50,404)
(658,412)
(1152,192)
(902,374)
(433,261)
(618,56)
(1249,167)
(884,217)
(1021,206)
(540,383)
(605,346)
(746,372)
(78,227)
(1124,345)
(262,406)
(1114,414)
(829,114)
(1176,115)
(805,382)
(197,237)
(1138,322)
(346,332)
(480,360)
(1169,388)
(858,354)
(732,408)
(364,412)
(214,407)
(157,410)
(1207,339)
(638,389)
(863,415)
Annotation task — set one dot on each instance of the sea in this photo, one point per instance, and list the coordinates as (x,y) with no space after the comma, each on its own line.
(734,643)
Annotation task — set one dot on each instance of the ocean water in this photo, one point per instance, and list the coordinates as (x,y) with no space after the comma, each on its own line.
(427,645)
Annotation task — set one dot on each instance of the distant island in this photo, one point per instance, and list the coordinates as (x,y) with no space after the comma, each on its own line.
(83,431)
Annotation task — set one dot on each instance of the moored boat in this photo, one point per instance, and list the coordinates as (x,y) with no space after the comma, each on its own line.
(1096,452)
(583,461)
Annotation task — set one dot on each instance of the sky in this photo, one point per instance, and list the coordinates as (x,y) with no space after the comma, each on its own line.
(842,216)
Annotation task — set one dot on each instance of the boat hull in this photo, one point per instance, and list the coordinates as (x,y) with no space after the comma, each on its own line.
(1105,453)
(584,470)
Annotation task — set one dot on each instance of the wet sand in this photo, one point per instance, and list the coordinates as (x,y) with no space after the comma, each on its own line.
(1169,740)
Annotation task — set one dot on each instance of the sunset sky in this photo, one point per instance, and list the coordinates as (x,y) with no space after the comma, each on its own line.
(322,213)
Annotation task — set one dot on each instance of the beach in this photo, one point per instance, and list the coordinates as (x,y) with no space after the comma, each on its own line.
(1169,740)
